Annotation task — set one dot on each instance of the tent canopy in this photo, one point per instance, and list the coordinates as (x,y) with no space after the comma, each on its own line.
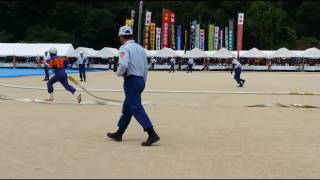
(195,53)
(107,52)
(283,53)
(311,53)
(222,54)
(33,49)
(88,52)
(254,53)
(165,53)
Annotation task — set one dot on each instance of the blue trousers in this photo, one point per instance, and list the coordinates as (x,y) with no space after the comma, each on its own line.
(190,67)
(237,73)
(46,71)
(82,71)
(133,87)
(60,76)
(171,67)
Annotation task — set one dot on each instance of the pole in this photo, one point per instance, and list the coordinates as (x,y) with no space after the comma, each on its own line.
(139,22)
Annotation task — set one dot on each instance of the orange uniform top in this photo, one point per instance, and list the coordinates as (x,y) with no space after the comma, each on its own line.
(56,62)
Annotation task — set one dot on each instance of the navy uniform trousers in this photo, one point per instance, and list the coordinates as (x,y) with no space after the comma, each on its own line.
(61,76)
(82,71)
(133,87)
(237,73)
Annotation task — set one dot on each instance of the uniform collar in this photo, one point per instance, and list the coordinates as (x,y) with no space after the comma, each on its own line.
(129,41)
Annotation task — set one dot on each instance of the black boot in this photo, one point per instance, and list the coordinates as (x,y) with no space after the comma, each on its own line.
(117,136)
(153,137)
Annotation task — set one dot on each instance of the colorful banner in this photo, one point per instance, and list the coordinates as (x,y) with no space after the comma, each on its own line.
(230,35)
(128,22)
(226,41)
(240,31)
(220,39)
(148,18)
(146,37)
(166,19)
(158,38)
(152,35)
(178,38)
(216,37)
(193,34)
(202,38)
(211,37)
(185,40)
(197,40)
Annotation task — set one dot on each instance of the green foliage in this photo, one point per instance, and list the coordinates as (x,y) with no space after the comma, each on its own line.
(268,24)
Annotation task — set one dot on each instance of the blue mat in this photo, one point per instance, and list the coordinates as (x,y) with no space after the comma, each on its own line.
(18,72)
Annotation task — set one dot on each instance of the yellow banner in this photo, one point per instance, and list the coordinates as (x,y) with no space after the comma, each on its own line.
(129,22)
(152,35)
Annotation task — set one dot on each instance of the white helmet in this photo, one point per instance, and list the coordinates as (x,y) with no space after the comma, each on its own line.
(53,51)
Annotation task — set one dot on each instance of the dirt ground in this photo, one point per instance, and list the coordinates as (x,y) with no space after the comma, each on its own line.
(202,135)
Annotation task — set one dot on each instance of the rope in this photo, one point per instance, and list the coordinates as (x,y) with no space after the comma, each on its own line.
(170,91)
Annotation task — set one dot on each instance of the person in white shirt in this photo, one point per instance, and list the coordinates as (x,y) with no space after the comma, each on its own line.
(46,59)
(237,68)
(172,64)
(82,61)
(190,64)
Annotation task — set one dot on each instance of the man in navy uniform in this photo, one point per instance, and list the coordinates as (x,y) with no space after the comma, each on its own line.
(237,67)
(133,66)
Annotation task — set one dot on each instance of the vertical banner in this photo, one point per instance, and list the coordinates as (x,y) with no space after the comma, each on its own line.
(152,35)
(185,40)
(132,17)
(221,39)
(210,37)
(166,14)
(140,21)
(193,34)
(178,38)
(226,38)
(158,38)
(202,40)
(147,29)
(240,31)
(128,22)
(230,35)
(216,37)
(172,31)
(197,40)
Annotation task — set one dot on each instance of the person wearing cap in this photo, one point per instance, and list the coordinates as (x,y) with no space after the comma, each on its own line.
(81,61)
(237,68)
(190,64)
(57,64)
(46,59)
(133,66)
(172,64)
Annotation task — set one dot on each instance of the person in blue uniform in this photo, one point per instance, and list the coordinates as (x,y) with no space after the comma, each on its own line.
(133,66)
(82,60)
(237,68)
(57,64)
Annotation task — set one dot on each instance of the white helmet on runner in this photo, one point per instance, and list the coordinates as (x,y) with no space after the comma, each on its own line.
(53,51)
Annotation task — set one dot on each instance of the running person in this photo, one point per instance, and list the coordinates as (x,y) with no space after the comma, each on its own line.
(133,66)
(57,64)
(237,68)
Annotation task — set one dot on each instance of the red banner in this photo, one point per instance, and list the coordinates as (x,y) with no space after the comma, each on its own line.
(240,31)
(166,20)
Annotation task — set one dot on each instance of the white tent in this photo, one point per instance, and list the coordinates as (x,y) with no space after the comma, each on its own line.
(195,53)
(254,53)
(222,54)
(88,52)
(9,49)
(107,52)
(38,49)
(283,53)
(150,53)
(165,53)
(311,53)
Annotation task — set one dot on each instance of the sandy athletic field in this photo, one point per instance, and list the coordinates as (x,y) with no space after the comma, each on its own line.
(202,135)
